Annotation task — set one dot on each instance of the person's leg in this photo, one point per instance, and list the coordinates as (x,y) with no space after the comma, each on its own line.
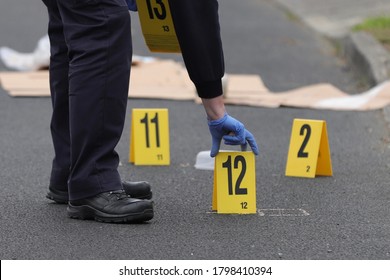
(198,31)
(96,38)
(59,68)
(97,33)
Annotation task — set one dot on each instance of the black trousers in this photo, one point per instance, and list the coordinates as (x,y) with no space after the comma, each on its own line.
(89,78)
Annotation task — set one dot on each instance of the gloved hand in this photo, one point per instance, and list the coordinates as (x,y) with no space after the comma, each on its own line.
(132,5)
(233,132)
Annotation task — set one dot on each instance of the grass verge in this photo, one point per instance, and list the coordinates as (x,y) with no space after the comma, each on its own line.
(379,27)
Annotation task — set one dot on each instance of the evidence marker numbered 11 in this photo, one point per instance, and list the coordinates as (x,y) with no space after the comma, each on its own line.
(149,137)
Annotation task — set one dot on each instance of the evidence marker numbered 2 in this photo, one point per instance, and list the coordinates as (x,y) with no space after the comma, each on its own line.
(309,153)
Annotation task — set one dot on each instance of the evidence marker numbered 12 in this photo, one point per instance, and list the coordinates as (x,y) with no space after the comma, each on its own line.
(234,183)
(149,137)
(309,153)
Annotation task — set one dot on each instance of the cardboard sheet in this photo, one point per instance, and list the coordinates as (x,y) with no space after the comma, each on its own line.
(162,79)
(167,79)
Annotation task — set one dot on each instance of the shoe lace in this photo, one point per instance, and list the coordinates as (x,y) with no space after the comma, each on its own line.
(120,194)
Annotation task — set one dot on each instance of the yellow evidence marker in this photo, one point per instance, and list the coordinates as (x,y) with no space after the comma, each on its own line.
(234,183)
(157,26)
(149,137)
(309,153)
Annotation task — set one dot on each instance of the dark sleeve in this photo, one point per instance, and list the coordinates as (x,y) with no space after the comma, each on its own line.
(197,27)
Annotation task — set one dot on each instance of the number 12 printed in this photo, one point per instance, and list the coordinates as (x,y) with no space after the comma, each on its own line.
(234,183)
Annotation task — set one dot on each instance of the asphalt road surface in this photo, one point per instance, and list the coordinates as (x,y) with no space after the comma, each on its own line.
(345,216)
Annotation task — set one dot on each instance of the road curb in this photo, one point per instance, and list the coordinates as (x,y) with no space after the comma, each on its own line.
(369,59)
(362,51)
(367,56)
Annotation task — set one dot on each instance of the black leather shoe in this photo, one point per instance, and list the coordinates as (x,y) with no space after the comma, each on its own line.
(111,207)
(59,196)
(140,190)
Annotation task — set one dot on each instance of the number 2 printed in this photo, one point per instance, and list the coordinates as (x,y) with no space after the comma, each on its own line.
(301,152)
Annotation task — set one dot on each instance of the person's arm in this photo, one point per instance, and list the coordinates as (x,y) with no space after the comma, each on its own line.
(214,107)
(198,31)
(223,126)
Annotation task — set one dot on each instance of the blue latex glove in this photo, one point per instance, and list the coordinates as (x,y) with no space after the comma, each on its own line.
(226,125)
(132,5)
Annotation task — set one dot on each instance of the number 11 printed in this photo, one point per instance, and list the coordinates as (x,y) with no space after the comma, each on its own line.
(150,137)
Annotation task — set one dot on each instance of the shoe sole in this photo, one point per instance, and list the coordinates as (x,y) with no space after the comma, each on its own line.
(60,198)
(86,212)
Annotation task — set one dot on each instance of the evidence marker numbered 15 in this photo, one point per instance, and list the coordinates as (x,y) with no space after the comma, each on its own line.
(234,183)
(157,26)
(309,153)
(149,137)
